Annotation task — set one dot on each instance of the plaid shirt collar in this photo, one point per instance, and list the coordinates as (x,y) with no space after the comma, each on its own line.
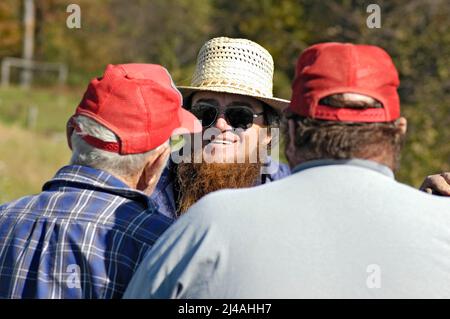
(85,177)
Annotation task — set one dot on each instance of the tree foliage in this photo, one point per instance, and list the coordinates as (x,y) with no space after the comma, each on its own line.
(415,32)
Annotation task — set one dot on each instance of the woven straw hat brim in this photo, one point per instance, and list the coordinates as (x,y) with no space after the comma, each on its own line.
(277,103)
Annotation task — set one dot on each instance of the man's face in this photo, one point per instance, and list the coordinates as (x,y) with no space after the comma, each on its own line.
(223,143)
(229,156)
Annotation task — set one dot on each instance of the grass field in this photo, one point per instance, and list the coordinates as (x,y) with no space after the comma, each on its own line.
(32,137)
(27,160)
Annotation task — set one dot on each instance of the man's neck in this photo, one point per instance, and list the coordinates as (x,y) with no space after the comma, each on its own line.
(130,181)
(382,160)
(365,163)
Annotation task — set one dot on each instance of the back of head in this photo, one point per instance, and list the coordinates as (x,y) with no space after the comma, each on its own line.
(86,154)
(345,105)
(125,115)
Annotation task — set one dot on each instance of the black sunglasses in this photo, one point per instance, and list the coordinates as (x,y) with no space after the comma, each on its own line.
(238,116)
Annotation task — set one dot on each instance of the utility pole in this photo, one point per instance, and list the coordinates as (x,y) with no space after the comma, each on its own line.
(28,41)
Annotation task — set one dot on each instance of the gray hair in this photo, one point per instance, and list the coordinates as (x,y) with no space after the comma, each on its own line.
(87,155)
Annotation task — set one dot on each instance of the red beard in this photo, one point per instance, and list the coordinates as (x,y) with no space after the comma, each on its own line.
(196,180)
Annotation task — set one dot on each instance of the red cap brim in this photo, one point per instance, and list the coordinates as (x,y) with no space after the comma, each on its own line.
(189,122)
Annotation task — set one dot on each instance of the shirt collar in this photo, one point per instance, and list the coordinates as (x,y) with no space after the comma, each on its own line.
(377,167)
(85,177)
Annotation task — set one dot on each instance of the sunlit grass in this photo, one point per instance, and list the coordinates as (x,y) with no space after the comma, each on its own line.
(27,160)
(32,146)
(53,108)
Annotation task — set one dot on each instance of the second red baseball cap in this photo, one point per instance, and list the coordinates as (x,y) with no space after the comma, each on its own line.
(139,103)
(330,68)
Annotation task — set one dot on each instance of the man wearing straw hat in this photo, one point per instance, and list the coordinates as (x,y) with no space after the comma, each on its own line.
(339,227)
(231,93)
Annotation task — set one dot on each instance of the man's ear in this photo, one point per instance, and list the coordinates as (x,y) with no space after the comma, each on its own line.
(402,124)
(157,152)
(151,173)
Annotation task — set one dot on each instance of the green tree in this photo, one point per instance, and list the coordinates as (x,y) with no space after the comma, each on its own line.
(10,28)
(276,25)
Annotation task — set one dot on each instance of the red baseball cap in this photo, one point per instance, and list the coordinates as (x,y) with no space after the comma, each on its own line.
(139,103)
(331,68)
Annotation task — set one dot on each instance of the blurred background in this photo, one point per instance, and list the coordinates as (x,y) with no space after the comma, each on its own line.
(34,106)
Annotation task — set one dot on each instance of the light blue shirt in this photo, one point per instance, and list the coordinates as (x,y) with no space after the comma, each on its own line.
(377,167)
(333,229)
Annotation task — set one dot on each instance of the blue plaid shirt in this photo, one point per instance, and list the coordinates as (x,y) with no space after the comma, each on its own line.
(82,237)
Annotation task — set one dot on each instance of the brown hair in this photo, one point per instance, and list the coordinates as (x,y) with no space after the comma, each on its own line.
(318,139)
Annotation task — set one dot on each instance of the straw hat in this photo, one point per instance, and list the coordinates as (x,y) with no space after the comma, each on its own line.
(237,66)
